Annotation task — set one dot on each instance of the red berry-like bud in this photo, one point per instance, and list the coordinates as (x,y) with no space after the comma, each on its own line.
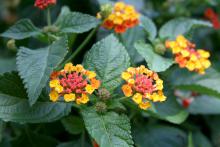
(186,102)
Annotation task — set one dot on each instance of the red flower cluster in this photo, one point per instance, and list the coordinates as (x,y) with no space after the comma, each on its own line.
(43,4)
(213,17)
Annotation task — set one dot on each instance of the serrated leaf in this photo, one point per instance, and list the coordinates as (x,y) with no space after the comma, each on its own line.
(73,124)
(159,136)
(181,26)
(64,11)
(129,38)
(154,61)
(149,27)
(109,129)
(76,22)
(108,58)
(14,107)
(206,84)
(35,66)
(21,30)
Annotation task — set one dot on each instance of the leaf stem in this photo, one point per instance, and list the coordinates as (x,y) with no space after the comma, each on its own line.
(84,43)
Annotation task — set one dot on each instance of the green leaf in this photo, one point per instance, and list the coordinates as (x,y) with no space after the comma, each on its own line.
(108,58)
(129,38)
(149,27)
(64,12)
(159,136)
(35,66)
(169,110)
(76,22)
(7,64)
(73,124)
(109,130)
(154,61)
(206,84)
(21,30)
(214,127)
(205,105)
(200,140)
(14,107)
(181,26)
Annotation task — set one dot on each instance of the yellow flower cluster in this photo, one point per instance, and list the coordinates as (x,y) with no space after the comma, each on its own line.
(143,85)
(73,83)
(186,55)
(122,17)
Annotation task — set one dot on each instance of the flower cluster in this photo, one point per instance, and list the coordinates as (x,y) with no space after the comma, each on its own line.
(43,4)
(73,83)
(213,17)
(121,18)
(143,85)
(187,56)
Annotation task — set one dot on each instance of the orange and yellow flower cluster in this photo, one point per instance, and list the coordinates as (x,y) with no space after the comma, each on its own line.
(73,83)
(143,85)
(43,4)
(187,56)
(122,17)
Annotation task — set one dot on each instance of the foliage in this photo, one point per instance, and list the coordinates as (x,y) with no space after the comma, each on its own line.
(113,42)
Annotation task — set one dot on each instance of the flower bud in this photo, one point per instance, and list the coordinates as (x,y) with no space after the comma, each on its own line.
(106,10)
(51,29)
(11,45)
(103,94)
(101,107)
(159,47)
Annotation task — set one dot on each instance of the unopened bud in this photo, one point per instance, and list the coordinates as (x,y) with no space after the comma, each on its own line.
(51,29)
(104,94)
(106,10)
(101,107)
(11,45)
(159,46)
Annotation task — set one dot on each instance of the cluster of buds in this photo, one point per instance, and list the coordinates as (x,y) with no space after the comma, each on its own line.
(43,4)
(143,85)
(187,56)
(120,17)
(213,17)
(73,83)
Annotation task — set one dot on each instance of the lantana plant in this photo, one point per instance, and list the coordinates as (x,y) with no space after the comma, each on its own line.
(109,78)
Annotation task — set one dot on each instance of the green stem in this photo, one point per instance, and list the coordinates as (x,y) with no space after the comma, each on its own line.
(48,17)
(123,98)
(119,36)
(78,49)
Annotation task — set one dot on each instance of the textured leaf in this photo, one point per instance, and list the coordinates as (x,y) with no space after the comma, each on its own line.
(73,124)
(108,58)
(21,30)
(149,27)
(35,66)
(109,130)
(154,61)
(179,26)
(14,107)
(159,136)
(205,105)
(7,64)
(206,84)
(76,22)
(64,11)
(129,38)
